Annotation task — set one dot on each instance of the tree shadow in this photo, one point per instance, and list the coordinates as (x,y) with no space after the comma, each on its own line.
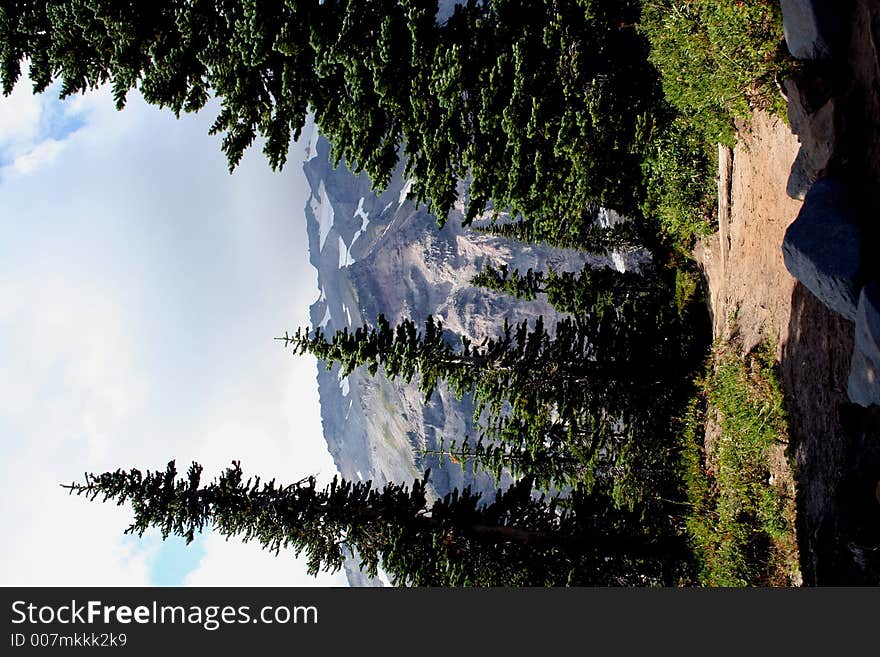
(836,447)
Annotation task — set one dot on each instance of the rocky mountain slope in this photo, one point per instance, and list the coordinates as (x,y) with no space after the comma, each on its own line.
(380,253)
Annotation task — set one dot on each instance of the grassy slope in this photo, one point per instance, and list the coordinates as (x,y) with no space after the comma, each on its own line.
(741,523)
(719,60)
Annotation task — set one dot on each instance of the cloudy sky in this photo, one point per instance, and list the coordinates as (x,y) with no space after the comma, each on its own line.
(140,288)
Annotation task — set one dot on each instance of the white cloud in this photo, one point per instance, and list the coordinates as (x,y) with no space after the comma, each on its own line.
(77,547)
(233,563)
(67,344)
(20,114)
(33,128)
(141,287)
(67,390)
(40,155)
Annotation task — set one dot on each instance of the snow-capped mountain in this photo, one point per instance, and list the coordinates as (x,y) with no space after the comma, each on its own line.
(380,253)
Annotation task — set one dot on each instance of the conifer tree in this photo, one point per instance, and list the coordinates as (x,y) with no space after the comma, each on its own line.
(510,446)
(588,292)
(570,232)
(536,396)
(523,366)
(537,103)
(515,540)
(628,434)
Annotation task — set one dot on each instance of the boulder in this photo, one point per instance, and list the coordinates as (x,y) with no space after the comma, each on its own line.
(811,113)
(799,179)
(818,139)
(812,27)
(822,247)
(810,88)
(864,376)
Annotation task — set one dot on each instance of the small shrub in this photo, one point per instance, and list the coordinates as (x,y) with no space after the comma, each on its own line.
(741,526)
(718,58)
(680,190)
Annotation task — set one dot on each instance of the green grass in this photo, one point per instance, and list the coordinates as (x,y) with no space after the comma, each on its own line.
(687,289)
(679,171)
(741,525)
(718,61)
(718,58)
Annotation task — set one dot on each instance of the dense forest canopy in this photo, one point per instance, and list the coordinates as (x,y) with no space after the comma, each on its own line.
(539,105)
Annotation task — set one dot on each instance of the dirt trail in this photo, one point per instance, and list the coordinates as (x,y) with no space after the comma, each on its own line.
(753,298)
(747,278)
(750,289)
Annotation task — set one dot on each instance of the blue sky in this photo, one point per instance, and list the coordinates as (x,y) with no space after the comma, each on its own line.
(141,287)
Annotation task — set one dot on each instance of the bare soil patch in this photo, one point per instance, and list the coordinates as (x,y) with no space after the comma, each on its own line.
(836,446)
(750,289)
(749,284)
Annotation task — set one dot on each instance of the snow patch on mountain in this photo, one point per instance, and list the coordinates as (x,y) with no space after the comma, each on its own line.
(325,215)
(345,258)
(379,253)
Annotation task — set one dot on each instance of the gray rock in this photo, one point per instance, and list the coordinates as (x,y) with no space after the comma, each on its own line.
(864,375)
(811,28)
(822,247)
(818,139)
(799,180)
(805,95)
(811,113)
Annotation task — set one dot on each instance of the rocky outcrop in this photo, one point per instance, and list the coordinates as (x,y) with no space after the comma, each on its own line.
(799,179)
(823,246)
(811,114)
(812,27)
(813,32)
(864,378)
